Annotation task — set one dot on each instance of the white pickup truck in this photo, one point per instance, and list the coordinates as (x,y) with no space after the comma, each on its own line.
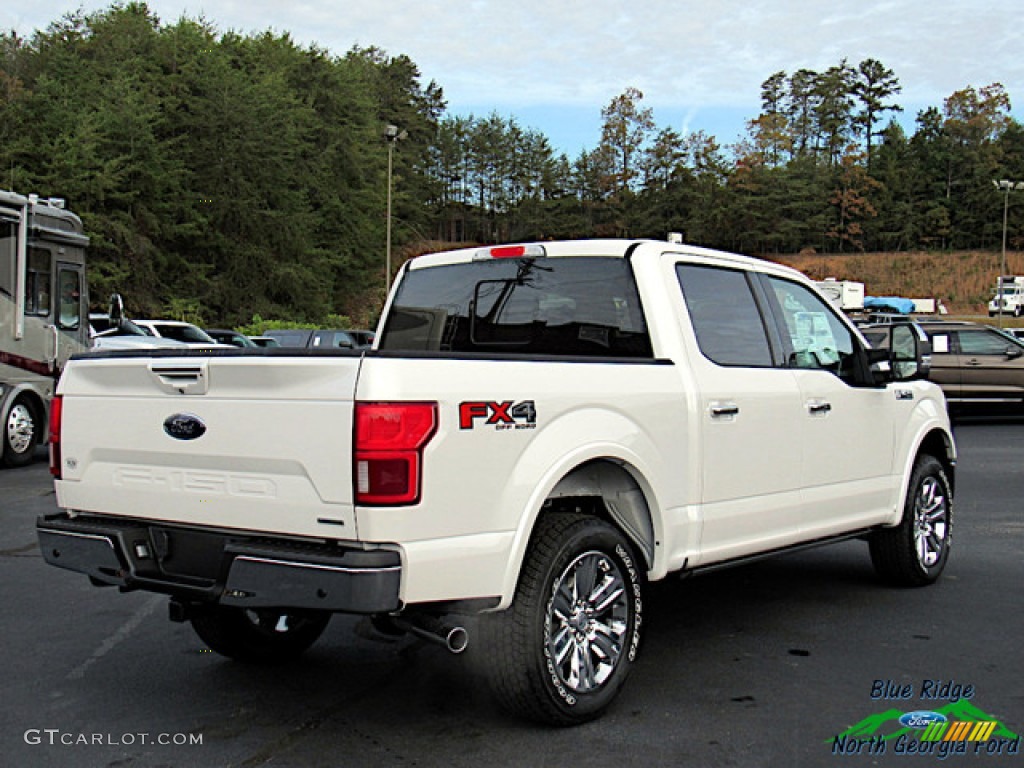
(538,432)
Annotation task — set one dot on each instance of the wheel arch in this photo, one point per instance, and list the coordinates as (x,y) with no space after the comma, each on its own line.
(937,443)
(619,498)
(609,488)
(934,441)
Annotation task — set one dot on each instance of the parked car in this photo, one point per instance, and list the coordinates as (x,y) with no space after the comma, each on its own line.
(291,337)
(179,331)
(264,341)
(971,362)
(233,338)
(1017,333)
(124,334)
(363,338)
(315,339)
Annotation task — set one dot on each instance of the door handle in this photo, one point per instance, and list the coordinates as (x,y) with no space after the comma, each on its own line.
(818,407)
(724,410)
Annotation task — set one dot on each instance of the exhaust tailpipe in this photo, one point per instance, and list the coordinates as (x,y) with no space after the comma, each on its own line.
(452,637)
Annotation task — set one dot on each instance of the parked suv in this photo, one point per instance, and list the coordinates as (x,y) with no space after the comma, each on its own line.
(317,339)
(232,338)
(970,361)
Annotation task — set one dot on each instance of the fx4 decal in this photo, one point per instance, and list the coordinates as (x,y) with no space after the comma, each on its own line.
(501,415)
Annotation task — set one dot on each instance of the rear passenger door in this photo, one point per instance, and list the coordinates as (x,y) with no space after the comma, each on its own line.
(992,365)
(750,406)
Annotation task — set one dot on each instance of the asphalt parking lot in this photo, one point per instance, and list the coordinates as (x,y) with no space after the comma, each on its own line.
(771,664)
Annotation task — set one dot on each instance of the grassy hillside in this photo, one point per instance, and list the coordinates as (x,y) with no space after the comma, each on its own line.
(963,280)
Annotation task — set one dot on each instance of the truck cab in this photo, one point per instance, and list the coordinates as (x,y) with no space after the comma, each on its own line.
(1009,297)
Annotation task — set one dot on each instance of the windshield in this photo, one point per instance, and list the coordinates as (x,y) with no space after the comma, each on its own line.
(585,306)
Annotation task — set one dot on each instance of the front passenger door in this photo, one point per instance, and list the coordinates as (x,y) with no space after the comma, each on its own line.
(846,424)
(945,363)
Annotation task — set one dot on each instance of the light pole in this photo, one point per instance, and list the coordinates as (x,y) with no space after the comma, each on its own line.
(391,135)
(1005,186)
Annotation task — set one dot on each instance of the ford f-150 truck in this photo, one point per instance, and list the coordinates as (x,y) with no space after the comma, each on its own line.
(538,432)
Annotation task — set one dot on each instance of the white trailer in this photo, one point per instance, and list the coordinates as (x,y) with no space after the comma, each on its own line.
(847,295)
(44,307)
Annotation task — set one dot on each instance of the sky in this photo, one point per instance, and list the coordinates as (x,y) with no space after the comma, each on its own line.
(554,64)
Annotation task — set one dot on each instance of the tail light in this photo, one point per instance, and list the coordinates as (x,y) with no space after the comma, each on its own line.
(55,413)
(389,441)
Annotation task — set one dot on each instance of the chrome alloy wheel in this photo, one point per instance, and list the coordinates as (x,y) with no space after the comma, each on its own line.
(587,620)
(931,522)
(20,428)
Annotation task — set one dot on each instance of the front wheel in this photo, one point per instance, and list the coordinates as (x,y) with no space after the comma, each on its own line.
(915,552)
(563,649)
(263,635)
(21,430)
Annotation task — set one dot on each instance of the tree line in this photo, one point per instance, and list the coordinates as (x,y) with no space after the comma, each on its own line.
(222,176)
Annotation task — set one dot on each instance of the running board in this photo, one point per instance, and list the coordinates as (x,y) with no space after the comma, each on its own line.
(723,564)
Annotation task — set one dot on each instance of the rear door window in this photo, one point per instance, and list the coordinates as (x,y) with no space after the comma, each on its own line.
(725,316)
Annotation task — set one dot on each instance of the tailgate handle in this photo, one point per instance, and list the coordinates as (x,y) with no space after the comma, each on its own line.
(188,379)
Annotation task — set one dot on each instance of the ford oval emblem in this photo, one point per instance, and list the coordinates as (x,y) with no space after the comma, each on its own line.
(184,426)
(921,719)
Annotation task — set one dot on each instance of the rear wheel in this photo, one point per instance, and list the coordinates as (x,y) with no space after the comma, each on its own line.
(20,433)
(915,552)
(562,651)
(264,635)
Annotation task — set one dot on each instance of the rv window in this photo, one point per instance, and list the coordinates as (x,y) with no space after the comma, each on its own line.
(37,282)
(8,255)
(70,312)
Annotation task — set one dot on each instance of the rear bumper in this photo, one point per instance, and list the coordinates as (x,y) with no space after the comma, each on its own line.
(224,567)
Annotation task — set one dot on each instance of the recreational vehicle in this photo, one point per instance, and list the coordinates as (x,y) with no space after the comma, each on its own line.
(43,314)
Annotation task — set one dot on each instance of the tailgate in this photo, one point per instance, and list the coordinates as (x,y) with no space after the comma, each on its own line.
(256,443)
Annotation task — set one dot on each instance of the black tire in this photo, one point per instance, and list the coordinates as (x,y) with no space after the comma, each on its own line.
(914,553)
(563,650)
(21,433)
(258,636)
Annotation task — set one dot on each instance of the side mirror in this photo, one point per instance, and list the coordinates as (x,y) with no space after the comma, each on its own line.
(908,357)
(1013,353)
(116,310)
